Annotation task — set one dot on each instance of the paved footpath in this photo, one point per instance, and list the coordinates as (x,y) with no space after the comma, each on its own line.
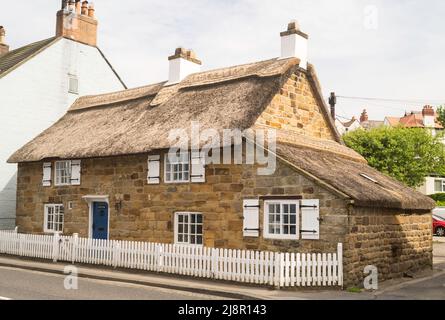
(29,279)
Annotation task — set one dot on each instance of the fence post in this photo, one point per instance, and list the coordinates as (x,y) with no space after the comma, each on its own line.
(20,237)
(75,245)
(340,264)
(116,254)
(16,230)
(159,254)
(56,239)
(214,262)
(277,270)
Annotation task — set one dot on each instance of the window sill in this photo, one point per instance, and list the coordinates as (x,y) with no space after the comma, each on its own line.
(287,238)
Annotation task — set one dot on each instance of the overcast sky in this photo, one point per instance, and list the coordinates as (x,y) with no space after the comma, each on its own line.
(378,49)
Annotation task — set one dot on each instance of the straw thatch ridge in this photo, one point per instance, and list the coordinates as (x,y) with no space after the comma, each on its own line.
(365,185)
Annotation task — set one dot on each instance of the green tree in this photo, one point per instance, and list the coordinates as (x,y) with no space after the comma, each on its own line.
(407,154)
(441,115)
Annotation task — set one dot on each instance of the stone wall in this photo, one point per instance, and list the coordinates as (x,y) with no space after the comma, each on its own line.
(147,211)
(395,242)
(296,109)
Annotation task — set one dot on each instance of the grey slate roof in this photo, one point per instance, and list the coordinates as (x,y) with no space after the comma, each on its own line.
(17,57)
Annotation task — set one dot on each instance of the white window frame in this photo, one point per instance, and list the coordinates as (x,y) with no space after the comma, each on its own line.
(56,173)
(180,162)
(54,207)
(189,227)
(443,185)
(71,80)
(266,221)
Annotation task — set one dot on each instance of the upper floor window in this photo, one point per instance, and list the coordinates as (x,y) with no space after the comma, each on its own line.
(73,84)
(188,228)
(439,185)
(177,167)
(63,173)
(54,217)
(281,219)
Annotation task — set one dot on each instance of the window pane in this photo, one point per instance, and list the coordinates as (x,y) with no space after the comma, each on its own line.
(180,228)
(199,218)
(199,229)
(286,219)
(192,240)
(293,230)
(199,240)
(293,208)
(293,219)
(285,229)
(180,218)
(271,208)
(180,238)
(285,208)
(438,185)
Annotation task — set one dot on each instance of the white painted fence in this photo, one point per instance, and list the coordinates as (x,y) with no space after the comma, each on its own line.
(258,267)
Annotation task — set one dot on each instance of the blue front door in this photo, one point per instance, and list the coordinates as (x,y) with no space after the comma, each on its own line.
(100,220)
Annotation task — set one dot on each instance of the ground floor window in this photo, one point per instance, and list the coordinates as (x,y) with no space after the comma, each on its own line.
(281,219)
(188,228)
(54,218)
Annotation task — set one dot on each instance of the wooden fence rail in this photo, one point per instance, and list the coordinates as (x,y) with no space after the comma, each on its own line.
(258,267)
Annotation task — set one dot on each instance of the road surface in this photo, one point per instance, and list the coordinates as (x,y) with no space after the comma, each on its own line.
(18,284)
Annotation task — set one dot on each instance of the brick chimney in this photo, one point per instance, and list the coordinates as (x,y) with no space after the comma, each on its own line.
(364,116)
(294,43)
(182,64)
(4,48)
(429,116)
(76,21)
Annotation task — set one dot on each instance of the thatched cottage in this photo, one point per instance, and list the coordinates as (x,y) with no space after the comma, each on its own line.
(103,171)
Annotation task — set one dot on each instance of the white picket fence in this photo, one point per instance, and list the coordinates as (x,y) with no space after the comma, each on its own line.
(256,267)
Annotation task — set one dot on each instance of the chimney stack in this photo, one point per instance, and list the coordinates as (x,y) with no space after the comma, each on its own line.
(332,103)
(182,64)
(294,43)
(76,21)
(4,48)
(364,116)
(429,116)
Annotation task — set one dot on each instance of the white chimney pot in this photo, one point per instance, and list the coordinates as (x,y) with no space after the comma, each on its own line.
(294,44)
(182,64)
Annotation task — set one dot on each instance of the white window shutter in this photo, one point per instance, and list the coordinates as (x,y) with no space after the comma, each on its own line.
(310,219)
(46,181)
(154,169)
(75,172)
(251,225)
(198,173)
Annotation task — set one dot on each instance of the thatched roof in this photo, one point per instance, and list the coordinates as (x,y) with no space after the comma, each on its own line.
(139,121)
(357,180)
